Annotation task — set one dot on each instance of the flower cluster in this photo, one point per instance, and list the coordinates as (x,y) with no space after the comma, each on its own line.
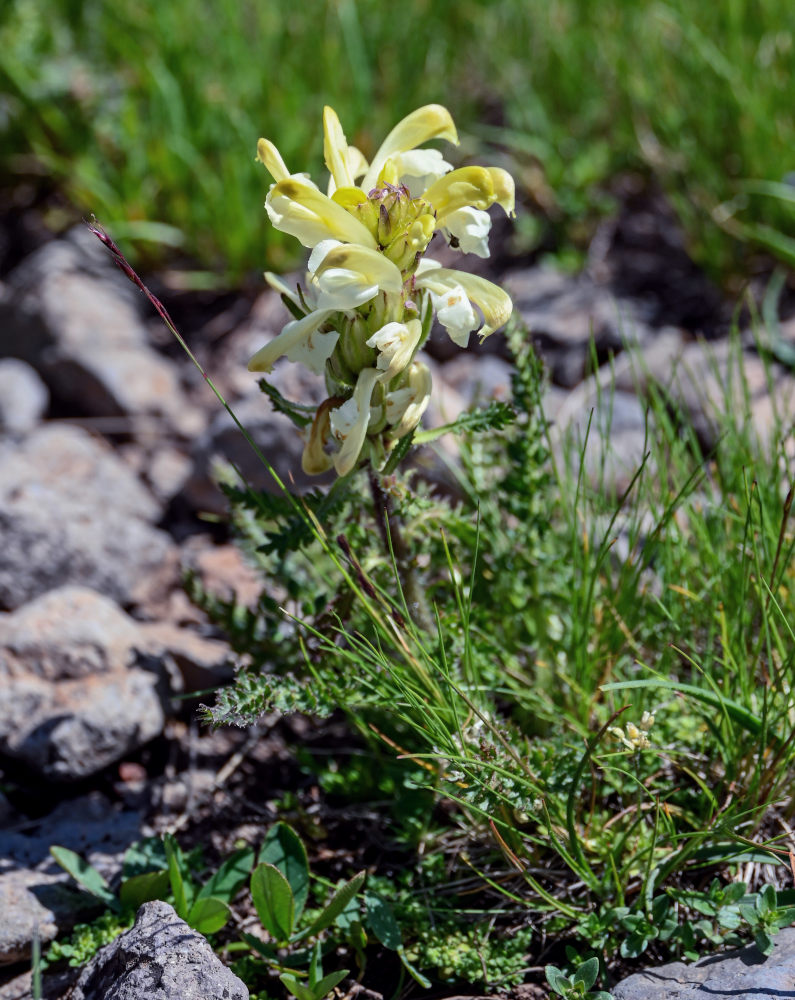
(636,737)
(371,295)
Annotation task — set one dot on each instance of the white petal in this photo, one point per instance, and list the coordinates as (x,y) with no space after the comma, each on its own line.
(278,284)
(301,342)
(405,407)
(347,275)
(492,301)
(470,227)
(335,149)
(419,168)
(349,422)
(454,311)
(396,343)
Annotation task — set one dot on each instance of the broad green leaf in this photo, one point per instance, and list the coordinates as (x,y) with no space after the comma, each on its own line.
(559,983)
(273,899)
(139,889)
(85,874)
(587,973)
(350,916)
(230,877)
(336,905)
(381,920)
(208,915)
(175,869)
(284,849)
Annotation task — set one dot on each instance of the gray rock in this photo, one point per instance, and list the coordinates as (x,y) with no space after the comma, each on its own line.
(90,825)
(24,398)
(201,662)
(68,313)
(738,975)
(34,900)
(71,512)
(159,958)
(565,313)
(710,381)
(76,691)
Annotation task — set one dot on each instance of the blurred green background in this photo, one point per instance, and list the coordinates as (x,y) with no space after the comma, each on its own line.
(147,112)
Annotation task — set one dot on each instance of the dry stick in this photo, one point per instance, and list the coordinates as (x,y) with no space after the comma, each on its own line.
(395,544)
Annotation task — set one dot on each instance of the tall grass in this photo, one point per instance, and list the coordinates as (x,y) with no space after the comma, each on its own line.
(148,114)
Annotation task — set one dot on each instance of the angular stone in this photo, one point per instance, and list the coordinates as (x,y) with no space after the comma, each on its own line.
(711,380)
(72,512)
(65,634)
(744,974)
(159,958)
(565,313)
(75,694)
(29,901)
(68,313)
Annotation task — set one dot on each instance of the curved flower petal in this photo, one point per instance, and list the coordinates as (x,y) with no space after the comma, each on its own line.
(395,343)
(405,406)
(493,302)
(470,228)
(349,421)
(300,342)
(314,459)
(295,206)
(335,149)
(271,158)
(504,189)
(467,187)
(346,275)
(430,122)
(278,284)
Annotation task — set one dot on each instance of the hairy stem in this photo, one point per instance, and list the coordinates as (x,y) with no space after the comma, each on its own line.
(395,545)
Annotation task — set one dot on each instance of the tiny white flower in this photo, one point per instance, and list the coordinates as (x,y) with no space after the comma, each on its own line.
(454,311)
(470,227)
(405,407)
(395,343)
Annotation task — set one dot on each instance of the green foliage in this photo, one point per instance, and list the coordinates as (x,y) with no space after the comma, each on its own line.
(578,984)
(694,93)
(85,940)
(595,686)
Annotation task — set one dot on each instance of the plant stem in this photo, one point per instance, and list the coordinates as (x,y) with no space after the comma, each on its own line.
(395,545)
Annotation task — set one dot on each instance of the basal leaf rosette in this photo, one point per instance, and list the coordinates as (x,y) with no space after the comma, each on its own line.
(370,295)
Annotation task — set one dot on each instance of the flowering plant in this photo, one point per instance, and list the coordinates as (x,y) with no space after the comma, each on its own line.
(371,295)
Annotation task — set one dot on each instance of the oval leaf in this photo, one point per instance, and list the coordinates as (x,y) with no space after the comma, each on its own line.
(273,899)
(208,915)
(85,874)
(230,877)
(284,849)
(143,889)
(381,921)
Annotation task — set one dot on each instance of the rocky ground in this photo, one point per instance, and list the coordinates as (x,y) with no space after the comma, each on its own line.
(108,444)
